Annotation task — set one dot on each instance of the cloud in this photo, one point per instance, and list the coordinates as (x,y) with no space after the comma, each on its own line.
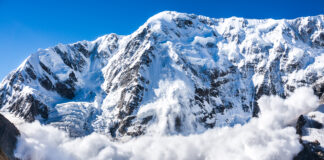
(269,137)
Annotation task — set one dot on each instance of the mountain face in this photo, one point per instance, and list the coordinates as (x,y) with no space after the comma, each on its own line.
(177,74)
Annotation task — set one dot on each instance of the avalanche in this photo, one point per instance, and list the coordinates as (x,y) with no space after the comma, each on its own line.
(268,137)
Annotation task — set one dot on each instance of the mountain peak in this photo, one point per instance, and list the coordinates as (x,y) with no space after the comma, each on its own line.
(166,16)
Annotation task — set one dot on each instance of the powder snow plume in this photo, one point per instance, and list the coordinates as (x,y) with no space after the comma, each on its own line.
(269,137)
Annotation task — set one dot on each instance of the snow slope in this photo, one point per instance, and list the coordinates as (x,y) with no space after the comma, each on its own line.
(177,74)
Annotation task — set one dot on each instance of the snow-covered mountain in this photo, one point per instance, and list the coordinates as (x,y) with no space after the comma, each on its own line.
(177,74)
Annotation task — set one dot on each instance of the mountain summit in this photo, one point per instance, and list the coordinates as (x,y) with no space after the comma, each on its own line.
(177,74)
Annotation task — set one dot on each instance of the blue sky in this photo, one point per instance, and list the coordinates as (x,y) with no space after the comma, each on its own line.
(26,26)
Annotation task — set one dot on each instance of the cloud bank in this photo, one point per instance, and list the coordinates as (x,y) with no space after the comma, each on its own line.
(269,137)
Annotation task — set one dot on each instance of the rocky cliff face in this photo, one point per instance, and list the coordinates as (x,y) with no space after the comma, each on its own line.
(177,74)
(310,129)
(8,139)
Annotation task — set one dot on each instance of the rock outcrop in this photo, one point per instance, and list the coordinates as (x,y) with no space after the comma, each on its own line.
(8,139)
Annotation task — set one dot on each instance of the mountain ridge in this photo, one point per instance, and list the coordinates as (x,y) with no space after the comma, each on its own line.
(178,73)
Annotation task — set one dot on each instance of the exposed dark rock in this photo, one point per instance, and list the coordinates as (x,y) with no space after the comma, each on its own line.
(46,83)
(145,58)
(72,77)
(262,90)
(134,86)
(319,40)
(300,124)
(137,133)
(3,156)
(127,106)
(245,108)
(311,151)
(82,49)
(8,138)
(63,56)
(31,73)
(76,62)
(202,94)
(178,124)
(256,109)
(13,78)
(319,89)
(45,68)
(125,124)
(135,43)
(113,129)
(183,23)
(64,90)
(291,88)
(210,45)
(220,109)
(306,122)
(28,107)
(2,97)
(306,29)
(146,119)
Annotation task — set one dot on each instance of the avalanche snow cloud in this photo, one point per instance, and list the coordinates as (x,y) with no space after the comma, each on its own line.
(269,137)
